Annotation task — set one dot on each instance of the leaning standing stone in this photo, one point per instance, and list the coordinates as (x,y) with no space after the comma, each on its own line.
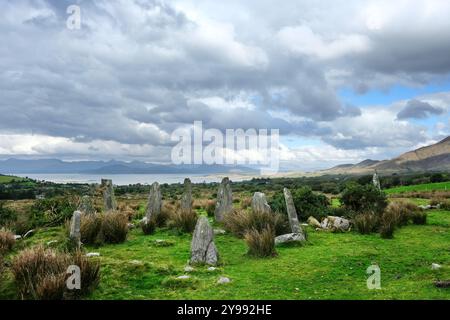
(75,233)
(224,204)
(376,181)
(186,200)
(108,195)
(203,249)
(86,206)
(259,203)
(292,213)
(154,202)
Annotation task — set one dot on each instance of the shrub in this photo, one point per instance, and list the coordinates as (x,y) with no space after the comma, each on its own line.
(402,211)
(360,199)
(52,212)
(7,241)
(306,202)
(210,208)
(7,216)
(148,226)
(261,243)
(388,224)
(240,221)
(90,228)
(366,223)
(114,228)
(164,216)
(419,218)
(183,220)
(445,205)
(41,273)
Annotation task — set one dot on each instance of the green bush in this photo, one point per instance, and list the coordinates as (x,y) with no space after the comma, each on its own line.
(7,216)
(363,198)
(52,212)
(306,202)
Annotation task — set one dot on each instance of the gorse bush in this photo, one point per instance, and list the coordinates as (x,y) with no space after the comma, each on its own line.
(359,199)
(7,241)
(7,216)
(240,221)
(52,212)
(183,220)
(261,243)
(306,202)
(366,223)
(41,274)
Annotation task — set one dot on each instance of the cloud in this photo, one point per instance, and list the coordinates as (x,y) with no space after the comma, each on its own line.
(416,109)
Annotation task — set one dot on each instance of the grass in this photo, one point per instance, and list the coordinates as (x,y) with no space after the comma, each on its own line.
(420,187)
(9,179)
(331,266)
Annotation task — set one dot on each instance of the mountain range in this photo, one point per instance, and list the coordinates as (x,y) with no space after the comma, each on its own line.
(55,166)
(435,157)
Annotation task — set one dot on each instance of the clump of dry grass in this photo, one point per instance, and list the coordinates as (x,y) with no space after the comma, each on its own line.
(183,220)
(90,228)
(246,203)
(102,228)
(41,274)
(7,241)
(261,243)
(240,221)
(366,223)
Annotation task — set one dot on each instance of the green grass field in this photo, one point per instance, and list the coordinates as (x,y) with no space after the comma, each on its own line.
(9,179)
(420,187)
(330,266)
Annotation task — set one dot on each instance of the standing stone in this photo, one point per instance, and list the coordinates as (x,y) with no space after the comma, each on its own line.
(86,206)
(376,181)
(224,204)
(292,213)
(259,203)
(75,233)
(186,199)
(203,249)
(154,202)
(108,196)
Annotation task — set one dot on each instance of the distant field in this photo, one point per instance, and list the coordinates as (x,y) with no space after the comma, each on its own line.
(420,187)
(8,179)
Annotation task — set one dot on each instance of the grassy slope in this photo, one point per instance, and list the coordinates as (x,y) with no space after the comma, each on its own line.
(331,266)
(420,187)
(8,179)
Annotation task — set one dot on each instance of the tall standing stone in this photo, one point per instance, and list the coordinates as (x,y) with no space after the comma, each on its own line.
(224,204)
(86,206)
(376,181)
(292,213)
(154,202)
(109,198)
(203,249)
(259,203)
(75,225)
(186,199)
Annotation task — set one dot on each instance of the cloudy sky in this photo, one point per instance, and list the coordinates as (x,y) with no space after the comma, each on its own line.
(342,80)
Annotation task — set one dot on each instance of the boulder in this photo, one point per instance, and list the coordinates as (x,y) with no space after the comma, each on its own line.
(259,203)
(203,249)
(224,204)
(290,238)
(336,224)
(313,222)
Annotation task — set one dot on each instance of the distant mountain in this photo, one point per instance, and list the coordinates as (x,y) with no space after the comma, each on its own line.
(431,158)
(55,166)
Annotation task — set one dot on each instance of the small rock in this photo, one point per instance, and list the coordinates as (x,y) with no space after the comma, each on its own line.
(92,254)
(17,237)
(52,242)
(28,234)
(131,226)
(188,269)
(183,277)
(435,266)
(289,238)
(313,222)
(219,231)
(223,280)
(211,269)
